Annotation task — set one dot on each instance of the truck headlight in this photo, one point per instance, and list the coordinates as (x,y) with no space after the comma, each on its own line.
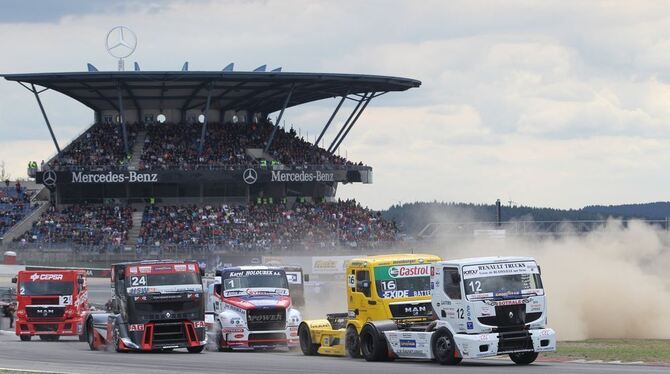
(235,321)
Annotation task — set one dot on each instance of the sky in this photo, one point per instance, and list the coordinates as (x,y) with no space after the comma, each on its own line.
(554,103)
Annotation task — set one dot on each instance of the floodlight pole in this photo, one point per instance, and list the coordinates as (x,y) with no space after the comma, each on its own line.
(353,112)
(122,119)
(204,123)
(351,125)
(44,114)
(332,116)
(272,136)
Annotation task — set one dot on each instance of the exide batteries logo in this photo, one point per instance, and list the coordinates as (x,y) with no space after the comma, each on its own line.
(46,277)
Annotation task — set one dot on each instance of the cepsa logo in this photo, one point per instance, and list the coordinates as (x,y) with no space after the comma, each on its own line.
(46,277)
(409,271)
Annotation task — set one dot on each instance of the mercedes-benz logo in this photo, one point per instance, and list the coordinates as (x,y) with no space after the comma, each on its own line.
(121,42)
(49,178)
(250,176)
(511,315)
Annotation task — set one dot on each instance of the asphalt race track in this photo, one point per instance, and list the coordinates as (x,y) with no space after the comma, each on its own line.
(71,356)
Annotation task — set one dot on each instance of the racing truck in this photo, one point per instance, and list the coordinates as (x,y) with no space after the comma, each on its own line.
(485,307)
(251,308)
(50,304)
(156,306)
(390,288)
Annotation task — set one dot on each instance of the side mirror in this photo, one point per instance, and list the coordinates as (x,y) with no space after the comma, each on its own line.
(305,277)
(455,278)
(217,273)
(202,272)
(80,281)
(14,280)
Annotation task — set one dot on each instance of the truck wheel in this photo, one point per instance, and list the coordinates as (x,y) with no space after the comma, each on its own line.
(306,346)
(352,342)
(373,344)
(219,340)
(523,358)
(25,338)
(116,340)
(197,349)
(444,348)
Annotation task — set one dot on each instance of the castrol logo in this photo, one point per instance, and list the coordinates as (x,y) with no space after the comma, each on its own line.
(46,277)
(409,271)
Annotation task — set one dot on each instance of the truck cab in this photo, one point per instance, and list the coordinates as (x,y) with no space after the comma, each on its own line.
(251,308)
(50,304)
(391,288)
(155,306)
(484,306)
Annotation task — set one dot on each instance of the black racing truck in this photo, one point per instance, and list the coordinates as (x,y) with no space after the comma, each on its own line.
(155,306)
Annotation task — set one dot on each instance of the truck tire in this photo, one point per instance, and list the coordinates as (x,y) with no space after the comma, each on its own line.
(307,347)
(444,348)
(352,342)
(25,338)
(116,339)
(373,344)
(219,339)
(197,349)
(90,335)
(523,358)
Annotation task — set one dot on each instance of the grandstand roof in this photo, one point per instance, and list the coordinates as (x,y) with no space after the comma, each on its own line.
(259,91)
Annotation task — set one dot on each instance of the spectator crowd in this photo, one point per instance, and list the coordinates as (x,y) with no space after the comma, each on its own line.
(14,205)
(265,226)
(177,146)
(92,227)
(232,228)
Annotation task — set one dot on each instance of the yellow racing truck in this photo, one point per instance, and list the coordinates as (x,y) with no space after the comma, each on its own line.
(379,288)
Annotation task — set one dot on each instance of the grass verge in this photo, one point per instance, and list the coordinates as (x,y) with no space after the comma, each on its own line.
(626,350)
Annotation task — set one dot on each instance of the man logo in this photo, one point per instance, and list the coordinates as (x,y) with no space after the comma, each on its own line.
(49,178)
(250,176)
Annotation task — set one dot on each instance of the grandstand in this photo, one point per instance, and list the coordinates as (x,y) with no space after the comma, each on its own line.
(194,160)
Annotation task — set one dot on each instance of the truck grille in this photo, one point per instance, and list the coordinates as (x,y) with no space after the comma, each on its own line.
(45,311)
(44,300)
(512,317)
(44,327)
(166,333)
(266,319)
(514,341)
(411,310)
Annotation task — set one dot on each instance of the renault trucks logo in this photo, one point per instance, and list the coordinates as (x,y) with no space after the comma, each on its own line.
(250,176)
(49,178)
(44,277)
(409,271)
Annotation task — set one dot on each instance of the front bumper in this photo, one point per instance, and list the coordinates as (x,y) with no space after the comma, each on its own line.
(487,345)
(152,336)
(241,338)
(67,327)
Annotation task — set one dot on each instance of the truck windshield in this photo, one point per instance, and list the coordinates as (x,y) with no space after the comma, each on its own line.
(163,279)
(45,288)
(402,281)
(502,281)
(254,279)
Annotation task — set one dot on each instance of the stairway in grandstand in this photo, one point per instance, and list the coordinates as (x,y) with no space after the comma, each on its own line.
(137,150)
(134,232)
(258,154)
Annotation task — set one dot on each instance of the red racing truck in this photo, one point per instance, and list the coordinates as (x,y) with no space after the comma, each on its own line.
(51,304)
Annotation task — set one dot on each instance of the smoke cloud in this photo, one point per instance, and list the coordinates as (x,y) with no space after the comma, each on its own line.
(610,283)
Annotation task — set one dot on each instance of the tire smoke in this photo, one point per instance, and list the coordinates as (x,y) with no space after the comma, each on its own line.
(610,283)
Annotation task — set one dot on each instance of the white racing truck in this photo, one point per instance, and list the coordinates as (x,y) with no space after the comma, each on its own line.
(250,307)
(485,307)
